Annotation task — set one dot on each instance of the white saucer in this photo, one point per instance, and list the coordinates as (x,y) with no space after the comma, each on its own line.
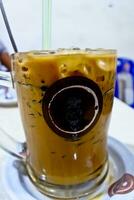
(7,97)
(18,186)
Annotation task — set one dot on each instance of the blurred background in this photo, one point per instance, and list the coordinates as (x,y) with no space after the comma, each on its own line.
(84,23)
(81,23)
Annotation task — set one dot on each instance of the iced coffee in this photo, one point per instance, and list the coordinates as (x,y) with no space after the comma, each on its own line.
(65,98)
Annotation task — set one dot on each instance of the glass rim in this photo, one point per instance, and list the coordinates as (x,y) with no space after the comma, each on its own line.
(67,51)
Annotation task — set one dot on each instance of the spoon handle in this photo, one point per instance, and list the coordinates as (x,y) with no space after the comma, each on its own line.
(8,27)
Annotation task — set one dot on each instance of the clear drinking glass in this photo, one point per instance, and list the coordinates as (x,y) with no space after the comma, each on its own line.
(65,99)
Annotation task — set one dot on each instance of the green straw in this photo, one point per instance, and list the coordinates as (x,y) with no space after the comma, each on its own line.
(46,23)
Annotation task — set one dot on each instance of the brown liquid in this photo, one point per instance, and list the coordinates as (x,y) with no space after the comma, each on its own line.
(63,161)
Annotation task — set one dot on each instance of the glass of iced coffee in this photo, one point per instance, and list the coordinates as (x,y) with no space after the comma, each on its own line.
(65,99)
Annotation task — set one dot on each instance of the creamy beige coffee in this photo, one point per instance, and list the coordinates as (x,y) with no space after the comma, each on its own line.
(65,99)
